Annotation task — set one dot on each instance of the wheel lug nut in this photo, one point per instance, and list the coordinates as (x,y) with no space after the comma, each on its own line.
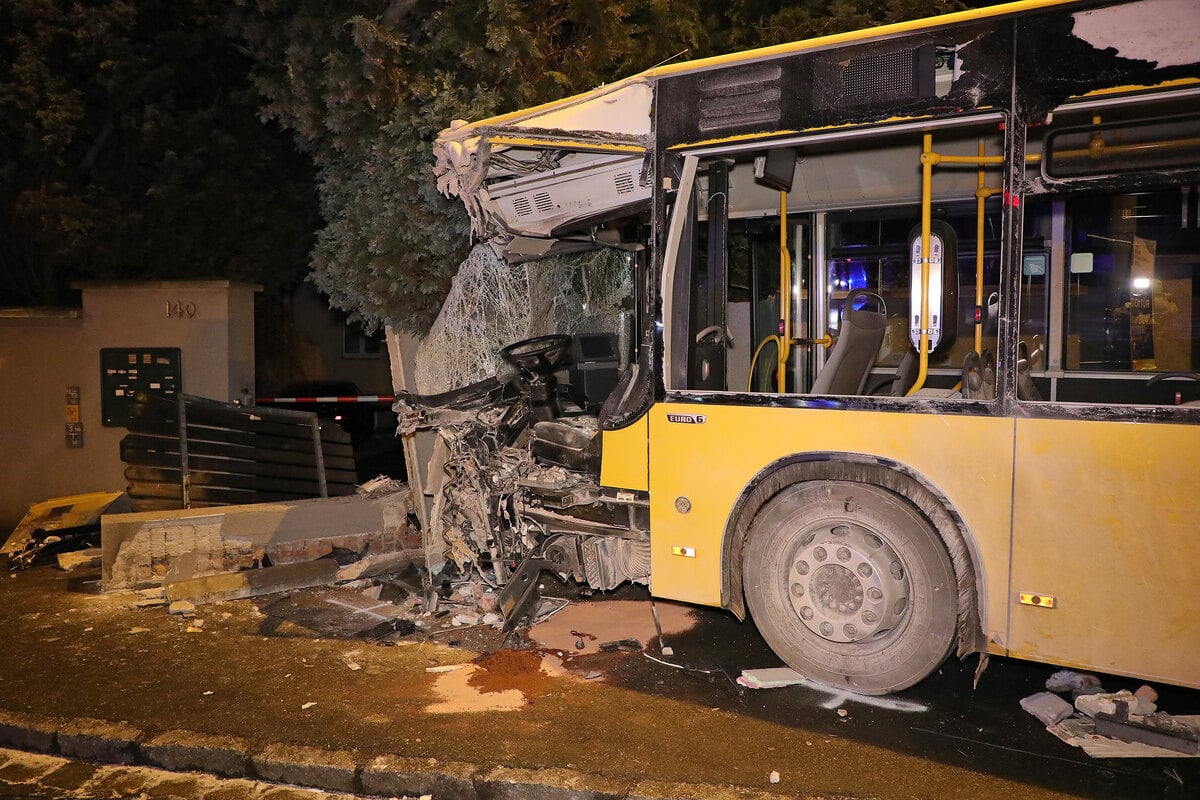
(843,554)
(869,617)
(850,631)
(806,612)
(819,554)
(865,570)
(826,629)
(874,594)
(797,590)
(802,567)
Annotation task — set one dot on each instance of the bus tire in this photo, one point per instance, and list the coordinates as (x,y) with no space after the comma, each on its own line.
(850,585)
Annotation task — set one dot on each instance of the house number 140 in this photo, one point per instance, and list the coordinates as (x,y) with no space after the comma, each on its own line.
(181,309)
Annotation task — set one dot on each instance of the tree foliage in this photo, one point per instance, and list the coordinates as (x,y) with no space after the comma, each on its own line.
(367,86)
(132,141)
(130,147)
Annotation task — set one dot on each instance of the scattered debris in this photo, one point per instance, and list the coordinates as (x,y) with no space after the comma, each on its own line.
(1116,703)
(382,564)
(1047,707)
(774,776)
(1156,730)
(1081,732)
(381,485)
(254,582)
(150,602)
(88,558)
(138,630)
(182,607)
(308,705)
(771,678)
(446,668)
(625,645)
(1120,724)
(59,525)
(398,626)
(1077,683)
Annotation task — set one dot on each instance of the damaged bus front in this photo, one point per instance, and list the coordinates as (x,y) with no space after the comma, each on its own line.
(888,339)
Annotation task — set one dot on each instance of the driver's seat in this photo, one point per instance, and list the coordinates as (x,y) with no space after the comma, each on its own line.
(571,442)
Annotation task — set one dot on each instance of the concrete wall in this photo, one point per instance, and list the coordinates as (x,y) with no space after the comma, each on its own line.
(42,352)
(150,548)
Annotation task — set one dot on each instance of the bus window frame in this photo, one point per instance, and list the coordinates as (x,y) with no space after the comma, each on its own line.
(674,336)
(1055,368)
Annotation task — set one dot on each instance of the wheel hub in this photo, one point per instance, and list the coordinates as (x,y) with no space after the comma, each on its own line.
(847,584)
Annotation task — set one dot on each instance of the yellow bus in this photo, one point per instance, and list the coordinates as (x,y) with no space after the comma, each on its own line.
(903,356)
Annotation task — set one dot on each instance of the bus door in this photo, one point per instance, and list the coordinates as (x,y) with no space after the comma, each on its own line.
(742,264)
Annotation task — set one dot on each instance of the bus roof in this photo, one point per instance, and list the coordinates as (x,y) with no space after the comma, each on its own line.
(609,93)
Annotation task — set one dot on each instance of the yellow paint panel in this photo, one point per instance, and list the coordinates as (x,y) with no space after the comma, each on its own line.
(624,464)
(1107,520)
(709,463)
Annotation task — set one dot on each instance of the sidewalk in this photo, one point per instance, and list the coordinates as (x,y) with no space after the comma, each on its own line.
(243,694)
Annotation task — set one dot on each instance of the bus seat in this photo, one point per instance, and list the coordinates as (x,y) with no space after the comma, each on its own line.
(899,382)
(979,376)
(906,374)
(857,346)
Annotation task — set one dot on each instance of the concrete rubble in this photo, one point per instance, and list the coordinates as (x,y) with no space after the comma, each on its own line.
(1121,724)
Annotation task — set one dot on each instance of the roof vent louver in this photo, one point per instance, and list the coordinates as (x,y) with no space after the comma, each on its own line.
(623,181)
(521,206)
(543,202)
(741,98)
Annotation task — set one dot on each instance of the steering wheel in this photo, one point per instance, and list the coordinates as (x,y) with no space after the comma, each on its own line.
(539,356)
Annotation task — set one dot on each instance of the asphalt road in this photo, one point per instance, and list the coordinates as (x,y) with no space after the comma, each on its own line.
(942,719)
(290,669)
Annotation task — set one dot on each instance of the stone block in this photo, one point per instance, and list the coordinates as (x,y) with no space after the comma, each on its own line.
(331,770)
(393,776)
(100,741)
(1049,708)
(29,731)
(1114,703)
(188,751)
(505,783)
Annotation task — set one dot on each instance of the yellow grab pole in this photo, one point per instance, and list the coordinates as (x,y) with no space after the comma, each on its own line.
(980,195)
(927,159)
(785,298)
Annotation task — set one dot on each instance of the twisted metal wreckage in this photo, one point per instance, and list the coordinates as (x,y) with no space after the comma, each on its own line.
(516,485)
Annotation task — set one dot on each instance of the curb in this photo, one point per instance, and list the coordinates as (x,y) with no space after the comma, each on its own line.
(335,771)
(188,751)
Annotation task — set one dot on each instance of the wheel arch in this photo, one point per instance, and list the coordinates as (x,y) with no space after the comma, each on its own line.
(859,468)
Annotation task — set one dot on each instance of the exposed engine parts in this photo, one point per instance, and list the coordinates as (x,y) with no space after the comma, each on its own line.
(510,485)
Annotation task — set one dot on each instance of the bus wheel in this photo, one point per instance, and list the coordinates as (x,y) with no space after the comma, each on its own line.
(850,585)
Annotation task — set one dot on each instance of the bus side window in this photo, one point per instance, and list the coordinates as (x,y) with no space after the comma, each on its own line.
(1130,295)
